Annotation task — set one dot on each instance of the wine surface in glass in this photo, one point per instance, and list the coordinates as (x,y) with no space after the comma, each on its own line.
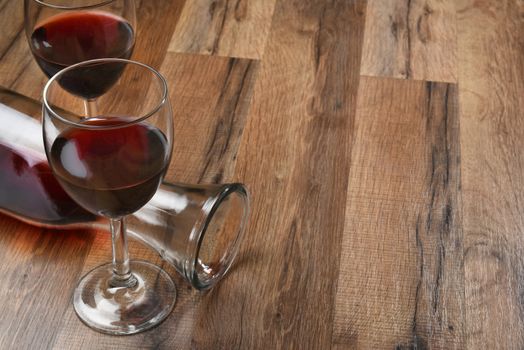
(72,37)
(111,172)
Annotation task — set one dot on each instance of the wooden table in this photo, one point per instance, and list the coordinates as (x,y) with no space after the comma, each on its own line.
(382,142)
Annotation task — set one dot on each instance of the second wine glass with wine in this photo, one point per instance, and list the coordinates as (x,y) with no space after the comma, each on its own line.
(61,33)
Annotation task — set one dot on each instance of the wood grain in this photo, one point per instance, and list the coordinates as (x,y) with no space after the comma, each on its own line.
(21,103)
(29,257)
(290,157)
(16,60)
(211,98)
(13,25)
(411,39)
(233,28)
(156,22)
(491,66)
(401,278)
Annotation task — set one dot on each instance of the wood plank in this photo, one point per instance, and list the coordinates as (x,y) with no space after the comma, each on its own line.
(15,56)
(12,25)
(491,66)
(24,75)
(162,16)
(210,98)
(234,28)
(411,39)
(401,278)
(293,159)
(29,256)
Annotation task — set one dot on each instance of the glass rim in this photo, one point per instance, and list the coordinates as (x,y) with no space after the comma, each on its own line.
(197,236)
(163,99)
(66,7)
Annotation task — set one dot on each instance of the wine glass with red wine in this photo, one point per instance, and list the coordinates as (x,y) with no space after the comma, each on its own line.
(112,165)
(64,32)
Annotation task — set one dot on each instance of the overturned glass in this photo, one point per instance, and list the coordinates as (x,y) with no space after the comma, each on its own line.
(196,228)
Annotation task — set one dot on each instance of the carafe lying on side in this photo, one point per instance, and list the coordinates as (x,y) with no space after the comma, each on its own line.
(196,228)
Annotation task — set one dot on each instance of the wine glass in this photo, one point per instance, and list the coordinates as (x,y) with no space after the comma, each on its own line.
(64,32)
(112,165)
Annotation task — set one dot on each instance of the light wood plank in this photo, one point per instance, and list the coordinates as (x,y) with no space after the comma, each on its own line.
(234,28)
(293,159)
(411,39)
(401,277)
(491,66)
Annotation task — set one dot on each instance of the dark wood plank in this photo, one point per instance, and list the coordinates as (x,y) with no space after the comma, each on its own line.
(491,66)
(40,269)
(15,56)
(293,158)
(156,23)
(411,39)
(233,28)
(211,98)
(12,25)
(401,277)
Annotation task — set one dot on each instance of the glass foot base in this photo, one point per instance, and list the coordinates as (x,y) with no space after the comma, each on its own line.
(125,310)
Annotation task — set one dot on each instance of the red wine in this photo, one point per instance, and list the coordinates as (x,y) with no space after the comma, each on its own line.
(73,37)
(46,201)
(110,172)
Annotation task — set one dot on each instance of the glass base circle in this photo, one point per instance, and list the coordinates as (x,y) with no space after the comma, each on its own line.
(125,310)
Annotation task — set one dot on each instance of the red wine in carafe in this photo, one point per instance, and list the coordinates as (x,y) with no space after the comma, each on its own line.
(28,189)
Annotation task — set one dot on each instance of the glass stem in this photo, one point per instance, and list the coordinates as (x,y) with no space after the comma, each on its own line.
(122,276)
(91,108)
